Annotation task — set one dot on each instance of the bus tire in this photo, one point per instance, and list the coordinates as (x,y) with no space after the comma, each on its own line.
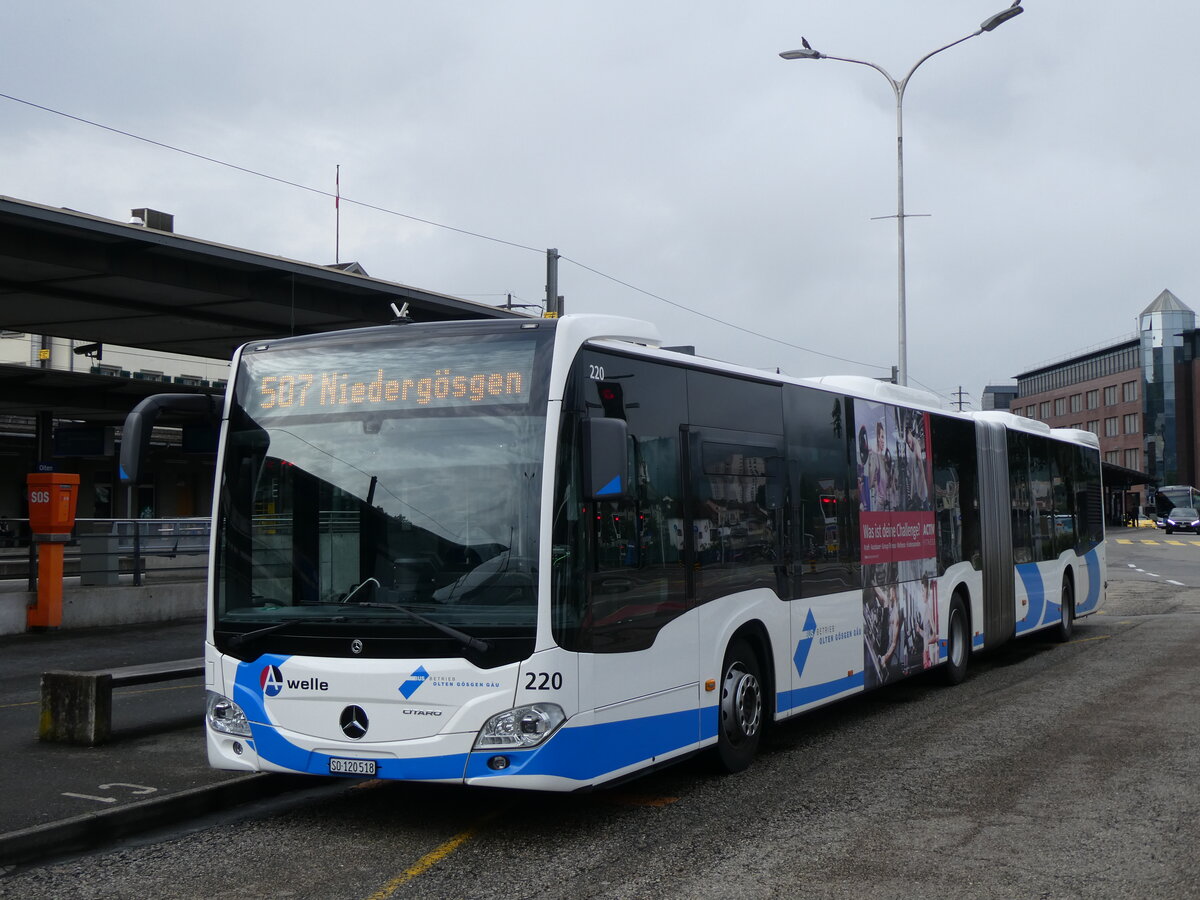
(958,642)
(740,714)
(1066,625)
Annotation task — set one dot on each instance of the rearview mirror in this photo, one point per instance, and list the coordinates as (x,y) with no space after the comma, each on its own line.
(135,437)
(605,459)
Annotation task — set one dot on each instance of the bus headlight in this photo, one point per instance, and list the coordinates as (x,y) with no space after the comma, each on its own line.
(525,726)
(225,716)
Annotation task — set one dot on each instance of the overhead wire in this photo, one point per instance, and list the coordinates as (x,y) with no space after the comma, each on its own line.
(463,231)
(696,312)
(255,172)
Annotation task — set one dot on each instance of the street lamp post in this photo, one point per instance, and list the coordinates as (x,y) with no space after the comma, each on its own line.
(806,52)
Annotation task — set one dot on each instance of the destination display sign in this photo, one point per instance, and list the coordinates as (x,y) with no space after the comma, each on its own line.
(387,379)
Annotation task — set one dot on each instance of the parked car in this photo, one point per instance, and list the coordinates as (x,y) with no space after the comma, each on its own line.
(1183,518)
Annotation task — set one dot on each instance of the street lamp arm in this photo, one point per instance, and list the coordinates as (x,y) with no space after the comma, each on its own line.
(904,82)
(896,85)
(988,24)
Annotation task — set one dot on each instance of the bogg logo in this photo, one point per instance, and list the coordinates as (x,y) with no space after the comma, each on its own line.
(271,680)
(415,680)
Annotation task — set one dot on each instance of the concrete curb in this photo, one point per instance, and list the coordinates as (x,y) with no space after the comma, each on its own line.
(94,829)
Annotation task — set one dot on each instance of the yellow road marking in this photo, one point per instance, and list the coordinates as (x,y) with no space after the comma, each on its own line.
(1177,543)
(428,861)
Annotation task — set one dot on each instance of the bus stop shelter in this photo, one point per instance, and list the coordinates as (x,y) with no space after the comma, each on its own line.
(72,275)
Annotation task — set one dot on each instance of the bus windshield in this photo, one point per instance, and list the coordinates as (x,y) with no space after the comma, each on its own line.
(385,492)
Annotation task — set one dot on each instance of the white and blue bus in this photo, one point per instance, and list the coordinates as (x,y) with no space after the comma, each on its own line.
(551,554)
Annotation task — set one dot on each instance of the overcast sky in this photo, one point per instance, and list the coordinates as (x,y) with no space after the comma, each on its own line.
(662,144)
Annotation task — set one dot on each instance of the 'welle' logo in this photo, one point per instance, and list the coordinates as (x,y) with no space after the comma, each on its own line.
(273,682)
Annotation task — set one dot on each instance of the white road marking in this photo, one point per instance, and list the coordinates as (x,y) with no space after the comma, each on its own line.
(133,789)
(90,797)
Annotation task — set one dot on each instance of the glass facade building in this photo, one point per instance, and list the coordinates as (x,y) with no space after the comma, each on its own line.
(1165,328)
(1140,396)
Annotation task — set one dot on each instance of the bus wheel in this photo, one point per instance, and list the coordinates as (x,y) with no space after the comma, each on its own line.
(958,643)
(1066,625)
(741,713)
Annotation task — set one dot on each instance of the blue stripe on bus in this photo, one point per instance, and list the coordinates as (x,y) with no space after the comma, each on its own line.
(1092,558)
(944,646)
(582,753)
(813,693)
(1035,592)
(274,748)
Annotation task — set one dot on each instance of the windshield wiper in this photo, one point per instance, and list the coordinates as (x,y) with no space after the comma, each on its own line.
(471,643)
(246,637)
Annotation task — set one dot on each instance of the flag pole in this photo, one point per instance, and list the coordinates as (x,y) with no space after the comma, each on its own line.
(337,216)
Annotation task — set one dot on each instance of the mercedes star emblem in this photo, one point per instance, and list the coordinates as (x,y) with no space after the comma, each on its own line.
(354,722)
(356,646)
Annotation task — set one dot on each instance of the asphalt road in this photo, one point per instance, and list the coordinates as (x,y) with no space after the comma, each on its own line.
(1148,553)
(1052,771)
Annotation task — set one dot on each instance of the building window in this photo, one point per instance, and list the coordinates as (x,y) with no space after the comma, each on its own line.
(1060,406)
(1030,412)
(1112,426)
(1113,456)
(1129,390)
(1093,399)
(1094,427)
(1131,459)
(1131,423)
(1044,409)
(1110,395)
(1077,403)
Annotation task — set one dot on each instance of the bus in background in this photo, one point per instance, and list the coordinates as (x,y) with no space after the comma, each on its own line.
(548,554)
(1171,496)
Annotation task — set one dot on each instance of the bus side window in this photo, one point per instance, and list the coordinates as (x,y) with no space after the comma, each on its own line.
(1063,474)
(956,492)
(634,582)
(737,515)
(1041,499)
(1019,497)
(823,509)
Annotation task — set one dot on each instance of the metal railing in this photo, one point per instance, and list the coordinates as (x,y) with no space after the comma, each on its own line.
(101,551)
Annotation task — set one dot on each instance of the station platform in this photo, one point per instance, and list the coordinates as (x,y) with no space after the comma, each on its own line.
(58,798)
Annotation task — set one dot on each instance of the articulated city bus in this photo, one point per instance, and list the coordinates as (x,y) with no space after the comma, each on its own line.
(550,554)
